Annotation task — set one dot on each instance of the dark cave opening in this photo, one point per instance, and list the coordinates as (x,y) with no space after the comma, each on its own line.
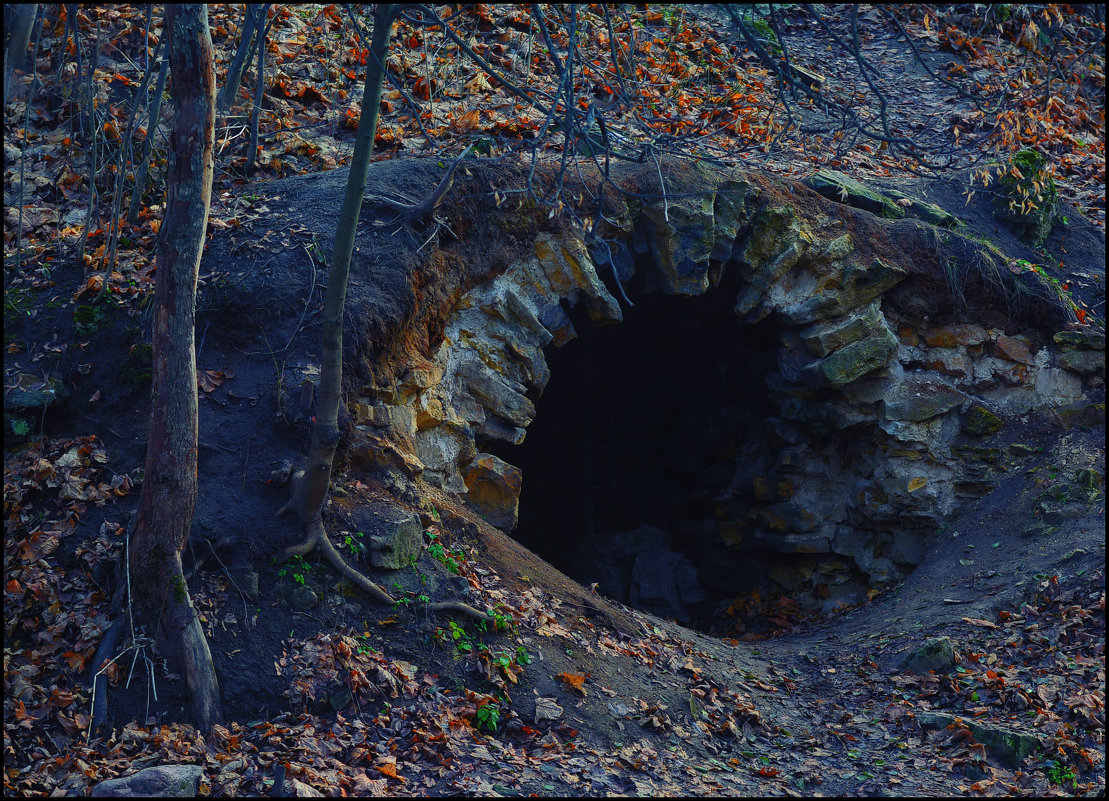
(641,432)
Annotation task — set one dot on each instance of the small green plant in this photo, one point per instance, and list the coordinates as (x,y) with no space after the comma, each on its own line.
(1058,773)
(137,366)
(460,638)
(354,544)
(451,560)
(17,301)
(488,717)
(501,621)
(87,319)
(298,569)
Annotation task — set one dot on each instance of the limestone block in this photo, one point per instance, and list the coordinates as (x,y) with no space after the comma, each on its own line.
(772,245)
(839,291)
(873,387)
(528,282)
(501,396)
(493,428)
(466,407)
(879,569)
(429,411)
(990,371)
(515,308)
(571,273)
(787,516)
(980,422)
(843,189)
(371,452)
(401,419)
(1081,338)
(952,336)
(822,338)
(557,321)
(1057,387)
(445,447)
(536,374)
(948,361)
(493,490)
(928,212)
(933,432)
(1006,745)
(419,377)
(1010,400)
(1085,362)
(395,535)
(858,358)
(162,781)
(681,233)
(1015,348)
(920,399)
(837,250)
(1083,415)
(730,213)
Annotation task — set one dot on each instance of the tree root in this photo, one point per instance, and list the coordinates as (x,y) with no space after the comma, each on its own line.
(317,537)
(417,214)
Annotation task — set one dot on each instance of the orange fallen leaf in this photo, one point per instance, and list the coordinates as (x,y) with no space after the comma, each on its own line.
(575,681)
(973,621)
(468,121)
(389,768)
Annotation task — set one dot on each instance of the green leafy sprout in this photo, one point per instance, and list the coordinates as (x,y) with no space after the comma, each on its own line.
(488,717)
(1058,773)
(298,570)
(451,560)
(354,544)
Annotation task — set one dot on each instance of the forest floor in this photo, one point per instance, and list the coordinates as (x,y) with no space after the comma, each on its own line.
(573,696)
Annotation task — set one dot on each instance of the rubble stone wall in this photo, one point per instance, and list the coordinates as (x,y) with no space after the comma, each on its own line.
(889,378)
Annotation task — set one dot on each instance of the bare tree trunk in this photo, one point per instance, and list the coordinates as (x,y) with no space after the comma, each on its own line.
(169,490)
(19,18)
(311,489)
(259,85)
(243,52)
(311,484)
(153,118)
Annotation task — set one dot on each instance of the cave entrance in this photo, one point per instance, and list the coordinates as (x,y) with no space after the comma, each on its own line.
(643,428)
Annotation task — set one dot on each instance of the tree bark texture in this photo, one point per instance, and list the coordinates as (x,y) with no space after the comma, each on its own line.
(164,517)
(243,52)
(22,19)
(311,490)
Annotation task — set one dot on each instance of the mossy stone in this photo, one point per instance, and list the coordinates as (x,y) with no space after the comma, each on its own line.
(859,358)
(982,422)
(937,654)
(1028,204)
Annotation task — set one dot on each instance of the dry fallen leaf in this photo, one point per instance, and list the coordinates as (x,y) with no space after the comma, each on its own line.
(575,681)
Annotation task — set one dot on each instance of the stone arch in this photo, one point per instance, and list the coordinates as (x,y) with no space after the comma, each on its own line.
(897,342)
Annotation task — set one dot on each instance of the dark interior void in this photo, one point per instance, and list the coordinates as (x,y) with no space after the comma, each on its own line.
(636,437)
